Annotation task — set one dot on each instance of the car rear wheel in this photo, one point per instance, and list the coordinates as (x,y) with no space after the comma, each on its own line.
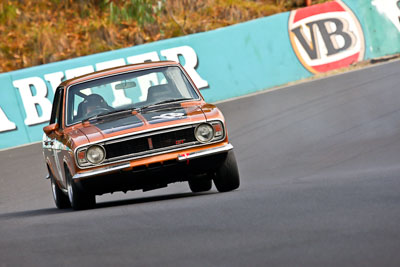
(227,175)
(200,184)
(61,200)
(78,198)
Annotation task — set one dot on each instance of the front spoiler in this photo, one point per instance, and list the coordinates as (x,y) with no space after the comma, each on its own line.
(181,158)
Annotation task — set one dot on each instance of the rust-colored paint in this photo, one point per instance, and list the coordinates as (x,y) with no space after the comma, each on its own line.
(84,133)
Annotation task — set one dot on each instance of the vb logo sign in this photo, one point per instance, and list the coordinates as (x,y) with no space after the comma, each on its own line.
(326,36)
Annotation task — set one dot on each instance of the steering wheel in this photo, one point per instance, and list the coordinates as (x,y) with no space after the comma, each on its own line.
(97,111)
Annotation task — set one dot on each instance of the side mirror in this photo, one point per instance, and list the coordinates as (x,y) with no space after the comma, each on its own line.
(50,128)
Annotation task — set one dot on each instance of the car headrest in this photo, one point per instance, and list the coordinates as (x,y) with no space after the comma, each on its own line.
(160,92)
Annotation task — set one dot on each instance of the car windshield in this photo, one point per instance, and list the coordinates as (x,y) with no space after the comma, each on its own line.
(127,91)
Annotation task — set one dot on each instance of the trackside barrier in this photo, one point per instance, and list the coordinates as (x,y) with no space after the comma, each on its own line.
(224,63)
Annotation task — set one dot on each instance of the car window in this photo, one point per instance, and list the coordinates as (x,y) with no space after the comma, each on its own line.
(56,110)
(124,91)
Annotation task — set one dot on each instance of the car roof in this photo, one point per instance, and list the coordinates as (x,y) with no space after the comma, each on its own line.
(116,70)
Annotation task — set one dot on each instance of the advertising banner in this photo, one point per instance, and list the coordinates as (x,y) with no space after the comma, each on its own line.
(224,63)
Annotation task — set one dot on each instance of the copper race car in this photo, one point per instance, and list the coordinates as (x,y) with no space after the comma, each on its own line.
(140,126)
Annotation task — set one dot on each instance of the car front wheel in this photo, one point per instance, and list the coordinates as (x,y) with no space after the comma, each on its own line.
(200,183)
(227,175)
(60,199)
(78,198)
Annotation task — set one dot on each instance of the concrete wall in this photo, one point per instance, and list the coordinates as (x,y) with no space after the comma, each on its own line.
(224,63)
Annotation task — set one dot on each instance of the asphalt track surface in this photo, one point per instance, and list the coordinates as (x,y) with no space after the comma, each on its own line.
(320,173)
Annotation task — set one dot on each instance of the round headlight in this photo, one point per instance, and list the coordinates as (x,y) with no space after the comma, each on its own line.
(204,132)
(95,154)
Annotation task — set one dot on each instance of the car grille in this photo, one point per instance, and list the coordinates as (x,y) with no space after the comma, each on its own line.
(149,144)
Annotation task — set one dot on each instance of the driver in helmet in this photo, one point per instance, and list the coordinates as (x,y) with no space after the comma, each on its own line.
(93,102)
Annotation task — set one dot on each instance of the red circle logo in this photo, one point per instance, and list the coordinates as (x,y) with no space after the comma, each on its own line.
(326,36)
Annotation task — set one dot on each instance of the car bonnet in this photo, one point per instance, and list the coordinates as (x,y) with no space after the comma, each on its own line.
(162,117)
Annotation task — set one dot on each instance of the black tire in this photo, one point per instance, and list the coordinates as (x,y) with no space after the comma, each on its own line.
(79,199)
(227,175)
(200,184)
(60,199)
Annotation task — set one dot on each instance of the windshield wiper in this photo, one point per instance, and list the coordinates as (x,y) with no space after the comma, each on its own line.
(112,112)
(95,117)
(165,102)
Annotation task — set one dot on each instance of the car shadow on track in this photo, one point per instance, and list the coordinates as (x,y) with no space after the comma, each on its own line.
(143,200)
(109,204)
(31,213)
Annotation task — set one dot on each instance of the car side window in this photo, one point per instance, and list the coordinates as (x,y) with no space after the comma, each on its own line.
(56,111)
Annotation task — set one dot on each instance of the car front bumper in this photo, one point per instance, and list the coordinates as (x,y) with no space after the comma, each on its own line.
(182,157)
